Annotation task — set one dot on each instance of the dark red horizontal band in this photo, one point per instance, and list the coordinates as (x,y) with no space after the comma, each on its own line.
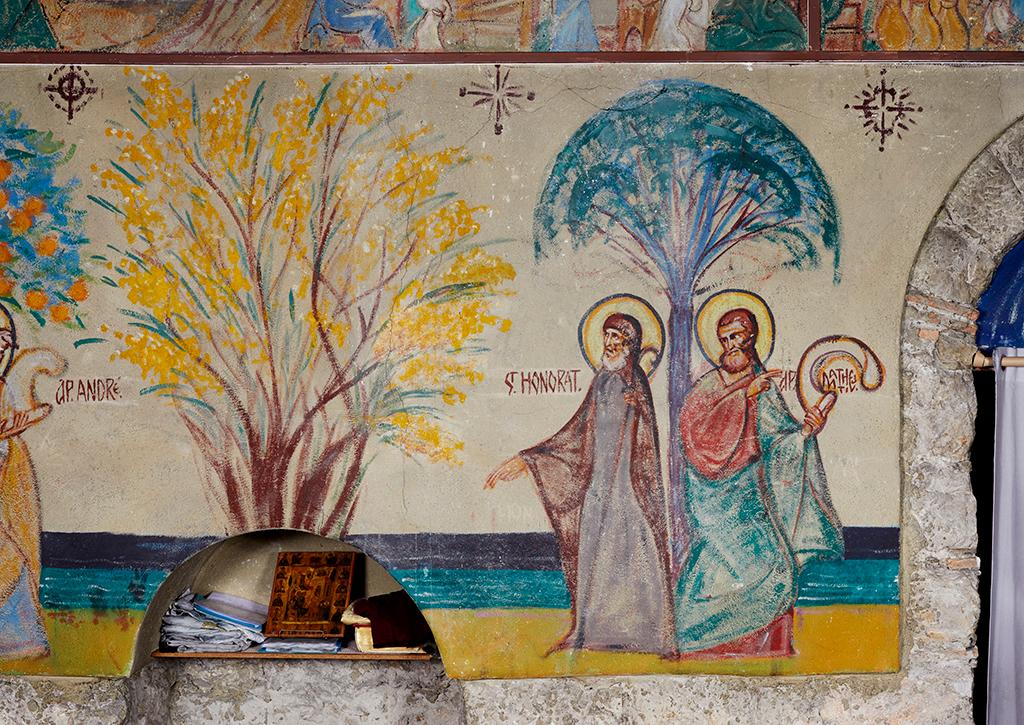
(397,58)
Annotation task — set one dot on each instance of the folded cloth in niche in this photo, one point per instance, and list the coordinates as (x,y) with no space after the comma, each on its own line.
(395,620)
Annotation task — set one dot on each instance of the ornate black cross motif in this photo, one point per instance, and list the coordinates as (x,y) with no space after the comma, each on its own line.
(885,110)
(70,87)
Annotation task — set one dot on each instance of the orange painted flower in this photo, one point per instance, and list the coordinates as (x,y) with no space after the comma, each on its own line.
(6,287)
(47,245)
(36,299)
(78,291)
(20,221)
(5,169)
(3,198)
(5,253)
(60,313)
(34,205)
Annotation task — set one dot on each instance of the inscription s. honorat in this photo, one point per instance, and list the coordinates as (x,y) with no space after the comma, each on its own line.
(543,382)
(87,390)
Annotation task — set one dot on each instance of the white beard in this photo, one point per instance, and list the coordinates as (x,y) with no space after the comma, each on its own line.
(614,364)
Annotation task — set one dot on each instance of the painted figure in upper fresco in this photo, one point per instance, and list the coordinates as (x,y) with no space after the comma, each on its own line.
(682,25)
(21,616)
(354,17)
(1000,19)
(599,478)
(755,25)
(42,278)
(427,33)
(757,501)
(568,27)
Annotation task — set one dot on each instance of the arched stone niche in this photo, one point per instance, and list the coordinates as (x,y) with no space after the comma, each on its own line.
(980,219)
(243,565)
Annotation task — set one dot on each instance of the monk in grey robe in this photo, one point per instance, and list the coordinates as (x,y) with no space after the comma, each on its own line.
(599,478)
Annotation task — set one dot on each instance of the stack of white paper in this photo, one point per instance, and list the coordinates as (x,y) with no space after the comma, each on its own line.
(232,609)
(301,646)
(187,628)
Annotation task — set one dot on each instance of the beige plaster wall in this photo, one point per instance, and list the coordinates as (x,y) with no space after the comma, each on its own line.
(885,200)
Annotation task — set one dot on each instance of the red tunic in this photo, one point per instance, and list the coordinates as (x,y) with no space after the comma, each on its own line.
(718,424)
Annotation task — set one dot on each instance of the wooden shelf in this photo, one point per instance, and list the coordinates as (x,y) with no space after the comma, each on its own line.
(252,654)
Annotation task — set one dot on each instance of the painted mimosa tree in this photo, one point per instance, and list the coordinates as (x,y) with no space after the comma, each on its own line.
(677,177)
(302,289)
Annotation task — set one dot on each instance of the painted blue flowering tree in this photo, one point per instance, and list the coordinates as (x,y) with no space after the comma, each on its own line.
(677,177)
(41,237)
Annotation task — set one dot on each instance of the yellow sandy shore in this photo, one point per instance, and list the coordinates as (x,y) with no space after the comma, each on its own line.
(512,642)
(84,643)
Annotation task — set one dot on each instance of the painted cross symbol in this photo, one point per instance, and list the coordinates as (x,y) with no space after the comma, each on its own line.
(885,110)
(70,88)
(500,95)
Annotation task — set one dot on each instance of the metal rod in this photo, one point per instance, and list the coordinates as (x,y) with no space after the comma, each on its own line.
(981,361)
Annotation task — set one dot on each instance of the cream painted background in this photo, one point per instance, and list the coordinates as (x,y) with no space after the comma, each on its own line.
(128,466)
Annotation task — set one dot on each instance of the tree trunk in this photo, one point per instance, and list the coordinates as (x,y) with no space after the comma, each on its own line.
(313,488)
(350,492)
(266,491)
(680,327)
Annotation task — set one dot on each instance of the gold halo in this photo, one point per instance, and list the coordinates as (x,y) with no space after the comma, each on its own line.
(591,330)
(706,323)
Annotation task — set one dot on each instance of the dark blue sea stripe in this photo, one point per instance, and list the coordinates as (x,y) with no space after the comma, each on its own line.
(538,550)
(521,550)
(872,542)
(103,550)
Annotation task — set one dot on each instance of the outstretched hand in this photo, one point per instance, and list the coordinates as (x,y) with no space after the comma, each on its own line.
(511,469)
(762,383)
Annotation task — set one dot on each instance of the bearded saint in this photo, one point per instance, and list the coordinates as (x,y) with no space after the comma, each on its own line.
(757,504)
(599,479)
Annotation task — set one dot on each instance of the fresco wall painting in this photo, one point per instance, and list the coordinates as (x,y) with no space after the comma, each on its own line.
(915,25)
(299,26)
(327,306)
(228,26)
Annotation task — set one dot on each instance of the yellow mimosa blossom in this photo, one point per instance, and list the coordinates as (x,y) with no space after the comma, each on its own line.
(479,267)
(418,434)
